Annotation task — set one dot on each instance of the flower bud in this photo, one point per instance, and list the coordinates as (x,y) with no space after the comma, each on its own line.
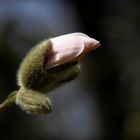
(33,102)
(48,65)
(58,51)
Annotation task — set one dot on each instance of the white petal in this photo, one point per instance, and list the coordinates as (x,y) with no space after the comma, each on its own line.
(65,49)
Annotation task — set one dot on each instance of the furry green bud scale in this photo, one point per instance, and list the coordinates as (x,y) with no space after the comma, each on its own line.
(34,65)
(33,102)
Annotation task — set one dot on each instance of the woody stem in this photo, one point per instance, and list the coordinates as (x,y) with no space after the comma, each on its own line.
(9,101)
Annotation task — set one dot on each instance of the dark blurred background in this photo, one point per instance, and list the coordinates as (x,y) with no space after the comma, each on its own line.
(103,103)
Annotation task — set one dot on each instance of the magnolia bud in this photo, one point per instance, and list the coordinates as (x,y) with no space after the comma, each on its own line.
(33,102)
(52,54)
(47,66)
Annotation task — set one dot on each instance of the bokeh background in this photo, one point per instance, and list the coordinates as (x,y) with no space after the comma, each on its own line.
(103,103)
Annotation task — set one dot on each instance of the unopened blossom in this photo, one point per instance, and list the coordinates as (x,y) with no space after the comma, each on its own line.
(36,74)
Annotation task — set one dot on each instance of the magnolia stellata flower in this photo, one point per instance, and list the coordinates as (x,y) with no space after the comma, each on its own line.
(48,65)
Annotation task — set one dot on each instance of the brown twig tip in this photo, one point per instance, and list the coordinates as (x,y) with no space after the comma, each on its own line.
(3,106)
(9,101)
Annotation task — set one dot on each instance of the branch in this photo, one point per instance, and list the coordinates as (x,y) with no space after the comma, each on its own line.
(9,101)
